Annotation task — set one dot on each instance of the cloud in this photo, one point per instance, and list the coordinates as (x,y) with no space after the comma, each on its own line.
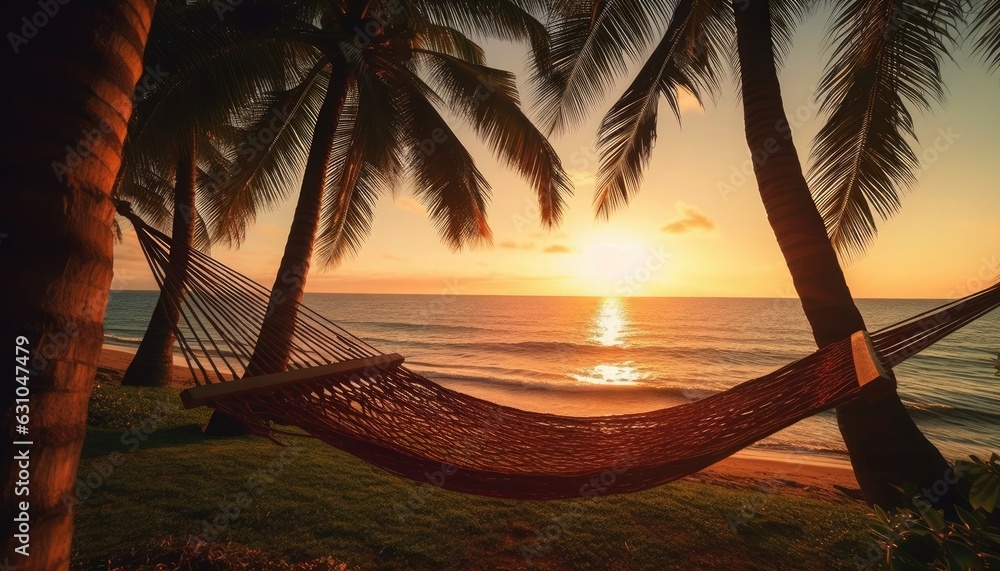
(549,234)
(512,245)
(558,249)
(689,218)
(407,203)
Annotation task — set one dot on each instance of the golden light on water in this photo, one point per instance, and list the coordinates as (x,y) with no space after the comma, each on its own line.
(610,323)
(606,374)
(610,328)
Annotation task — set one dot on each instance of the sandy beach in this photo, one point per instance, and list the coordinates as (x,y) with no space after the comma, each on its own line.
(766,473)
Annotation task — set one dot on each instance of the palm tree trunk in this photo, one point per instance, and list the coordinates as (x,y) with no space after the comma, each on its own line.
(74,76)
(153,364)
(885,446)
(274,342)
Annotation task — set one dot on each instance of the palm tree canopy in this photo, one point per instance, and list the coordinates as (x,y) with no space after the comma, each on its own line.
(681,45)
(406,63)
(197,73)
(885,59)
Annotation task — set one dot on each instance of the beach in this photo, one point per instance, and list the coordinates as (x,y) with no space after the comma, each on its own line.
(800,475)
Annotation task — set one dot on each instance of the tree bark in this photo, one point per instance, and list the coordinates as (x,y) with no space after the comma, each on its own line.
(885,446)
(153,364)
(274,343)
(65,119)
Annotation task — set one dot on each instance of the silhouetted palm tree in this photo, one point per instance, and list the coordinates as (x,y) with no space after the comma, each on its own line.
(205,71)
(375,100)
(71,87)
(888,54)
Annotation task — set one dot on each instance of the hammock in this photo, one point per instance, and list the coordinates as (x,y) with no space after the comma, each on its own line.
(341,390)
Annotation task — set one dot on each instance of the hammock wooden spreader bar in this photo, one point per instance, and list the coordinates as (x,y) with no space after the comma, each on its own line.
(203,395)
(348,394)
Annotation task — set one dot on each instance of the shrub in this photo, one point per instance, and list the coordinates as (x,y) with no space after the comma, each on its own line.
(921,538)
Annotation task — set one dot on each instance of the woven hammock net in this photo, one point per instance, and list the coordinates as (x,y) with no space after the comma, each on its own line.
(396,419)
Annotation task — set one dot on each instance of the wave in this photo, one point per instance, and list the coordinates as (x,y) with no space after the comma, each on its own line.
(122,339)
(416,326)
(674,393)
(953,414)
(565,349)
(800,447)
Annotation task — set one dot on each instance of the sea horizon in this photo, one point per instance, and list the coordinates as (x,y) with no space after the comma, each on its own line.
(559,296)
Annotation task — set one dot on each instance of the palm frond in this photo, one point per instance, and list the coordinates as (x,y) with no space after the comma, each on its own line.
(202,235)
(986,30)
(442,170)
(452,42)
(591,46)
(510,20)
(886,60)
(367,164)
(150,193)
(269,155)
(488,99)
(785,16)
(678,63)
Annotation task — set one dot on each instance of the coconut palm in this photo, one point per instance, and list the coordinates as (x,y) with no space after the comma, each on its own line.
(207,70)
(888,57)
(376,103)
(74,81)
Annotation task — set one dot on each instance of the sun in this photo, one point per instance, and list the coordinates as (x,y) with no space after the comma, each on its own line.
(607,264)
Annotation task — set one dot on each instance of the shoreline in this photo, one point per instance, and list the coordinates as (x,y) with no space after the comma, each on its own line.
(789,474)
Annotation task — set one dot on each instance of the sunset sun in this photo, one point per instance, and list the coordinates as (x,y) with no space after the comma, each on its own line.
(618,265)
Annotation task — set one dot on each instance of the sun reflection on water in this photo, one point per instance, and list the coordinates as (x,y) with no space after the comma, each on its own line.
(607,374)
(610,328)
(610,323)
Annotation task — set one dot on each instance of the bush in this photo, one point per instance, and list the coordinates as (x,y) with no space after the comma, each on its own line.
(921,538)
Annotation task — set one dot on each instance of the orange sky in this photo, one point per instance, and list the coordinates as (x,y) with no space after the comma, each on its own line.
(696,229)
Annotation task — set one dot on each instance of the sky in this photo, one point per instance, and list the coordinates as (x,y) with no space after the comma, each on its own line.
(697,228)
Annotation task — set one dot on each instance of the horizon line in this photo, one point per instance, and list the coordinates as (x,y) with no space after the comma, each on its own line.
(452,294)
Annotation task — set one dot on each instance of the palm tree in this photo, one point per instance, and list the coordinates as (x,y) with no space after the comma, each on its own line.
(375,105)
(74,81)
(210,70)
(862,154)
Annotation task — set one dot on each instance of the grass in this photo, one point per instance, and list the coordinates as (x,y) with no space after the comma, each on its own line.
(151,486)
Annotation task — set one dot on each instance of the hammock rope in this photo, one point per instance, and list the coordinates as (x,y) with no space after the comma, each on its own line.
(352,396)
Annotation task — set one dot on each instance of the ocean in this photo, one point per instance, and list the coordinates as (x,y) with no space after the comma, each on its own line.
(589,356)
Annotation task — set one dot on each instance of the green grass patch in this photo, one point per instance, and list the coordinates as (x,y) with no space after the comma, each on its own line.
(147,474)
